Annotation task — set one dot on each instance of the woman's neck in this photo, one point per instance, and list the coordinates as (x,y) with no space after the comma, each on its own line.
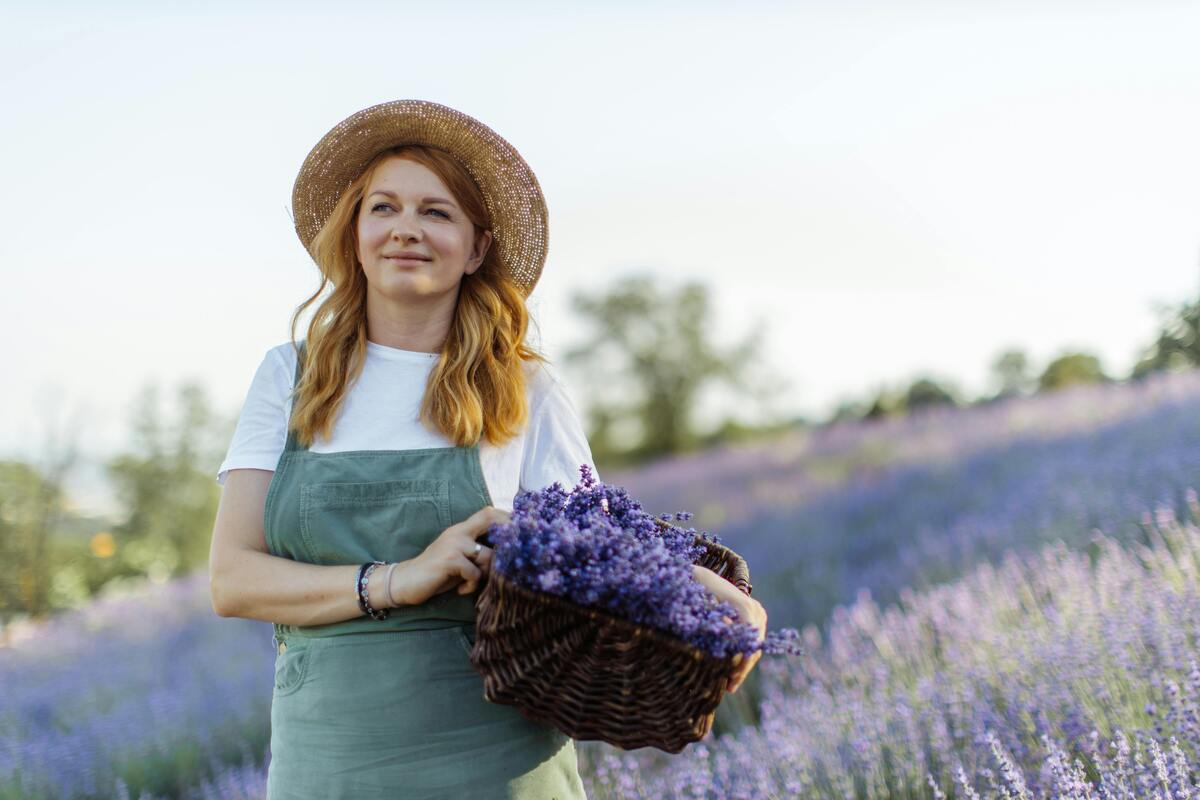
(421,329)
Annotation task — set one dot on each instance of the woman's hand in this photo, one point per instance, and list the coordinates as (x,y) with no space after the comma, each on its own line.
(447,561)
(749,611)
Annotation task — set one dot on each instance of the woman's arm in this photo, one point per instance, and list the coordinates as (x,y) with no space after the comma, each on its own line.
(245,580)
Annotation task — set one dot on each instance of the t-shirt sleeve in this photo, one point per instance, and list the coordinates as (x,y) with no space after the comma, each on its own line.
(556,445)
(261,431)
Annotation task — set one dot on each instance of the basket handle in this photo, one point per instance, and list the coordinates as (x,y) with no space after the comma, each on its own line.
(732,567)
(741,574)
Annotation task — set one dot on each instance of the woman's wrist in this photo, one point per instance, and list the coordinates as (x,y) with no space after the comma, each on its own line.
(377,589)
(387,585)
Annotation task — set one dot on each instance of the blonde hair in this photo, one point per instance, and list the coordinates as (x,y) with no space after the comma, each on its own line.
(477,388)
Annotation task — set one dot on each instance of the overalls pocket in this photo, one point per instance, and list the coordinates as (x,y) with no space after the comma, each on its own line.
(466,637)
(349,523)
(291,666)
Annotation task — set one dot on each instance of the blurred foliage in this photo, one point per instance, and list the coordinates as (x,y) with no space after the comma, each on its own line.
(733,431)
(54,558)
(924,392)
(648,357)
(1176,347)
(1071,369)
(928,392)
(884,403)
(1011,373)
(166,484)
(1178,343)
(31,501)
(847,410)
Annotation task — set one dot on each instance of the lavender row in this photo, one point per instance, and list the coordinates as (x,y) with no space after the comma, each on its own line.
(918,501)
(794,469)
(1043,676)
(150,689)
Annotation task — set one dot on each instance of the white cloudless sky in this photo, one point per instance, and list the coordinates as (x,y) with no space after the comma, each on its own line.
(894,188)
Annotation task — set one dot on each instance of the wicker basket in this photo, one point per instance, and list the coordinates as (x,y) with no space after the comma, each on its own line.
(593,675)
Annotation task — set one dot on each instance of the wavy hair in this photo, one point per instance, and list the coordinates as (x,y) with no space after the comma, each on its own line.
(477,389)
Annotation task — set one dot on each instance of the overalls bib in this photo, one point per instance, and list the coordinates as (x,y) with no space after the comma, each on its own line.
(365,709)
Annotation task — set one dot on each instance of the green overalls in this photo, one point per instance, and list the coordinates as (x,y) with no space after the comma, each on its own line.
(365,709)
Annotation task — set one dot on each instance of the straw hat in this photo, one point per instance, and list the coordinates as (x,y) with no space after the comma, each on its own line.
(510,190)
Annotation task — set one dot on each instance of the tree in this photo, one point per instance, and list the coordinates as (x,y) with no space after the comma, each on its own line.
(926,392)
(1071,369)
(1010,373)
(29,501)
(846,410)
(166,484)
(647,360)
(921,393)
(883,404)
(1178,343)
(32,504)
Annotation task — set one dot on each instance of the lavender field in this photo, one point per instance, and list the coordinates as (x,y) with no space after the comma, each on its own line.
(998,602)
(1043,676)
(916,501)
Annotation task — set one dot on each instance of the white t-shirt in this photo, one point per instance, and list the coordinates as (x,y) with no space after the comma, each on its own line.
(381,412)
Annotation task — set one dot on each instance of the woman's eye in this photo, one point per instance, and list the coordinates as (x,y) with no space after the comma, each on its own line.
(388,206)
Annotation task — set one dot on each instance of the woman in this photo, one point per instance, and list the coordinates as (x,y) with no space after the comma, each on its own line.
(369,459)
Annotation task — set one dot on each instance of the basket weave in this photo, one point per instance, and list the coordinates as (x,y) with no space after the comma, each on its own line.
(595,676)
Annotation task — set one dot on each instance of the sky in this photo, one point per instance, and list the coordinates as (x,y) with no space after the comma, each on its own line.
(892,189)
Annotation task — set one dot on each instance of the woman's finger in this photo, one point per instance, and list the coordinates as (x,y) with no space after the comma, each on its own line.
(469,570)
(743,671)
(483,560)
(473,568)
(485,518)
(738,658)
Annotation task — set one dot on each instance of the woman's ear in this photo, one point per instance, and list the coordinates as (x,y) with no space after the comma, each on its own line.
(482,243)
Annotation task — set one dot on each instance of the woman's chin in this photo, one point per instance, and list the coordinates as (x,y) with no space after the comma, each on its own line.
(419,288)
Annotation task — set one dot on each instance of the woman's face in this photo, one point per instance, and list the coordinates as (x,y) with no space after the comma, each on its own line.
(408,210)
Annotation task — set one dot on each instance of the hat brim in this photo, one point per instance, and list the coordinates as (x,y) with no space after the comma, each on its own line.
(510,190)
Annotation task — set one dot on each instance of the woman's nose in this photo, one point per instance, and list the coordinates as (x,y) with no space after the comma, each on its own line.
(406,228)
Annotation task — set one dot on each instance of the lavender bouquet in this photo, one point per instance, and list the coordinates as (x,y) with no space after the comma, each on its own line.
(596,547)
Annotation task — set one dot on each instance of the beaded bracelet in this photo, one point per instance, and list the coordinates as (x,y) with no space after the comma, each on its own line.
(358,587)
(364,603)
